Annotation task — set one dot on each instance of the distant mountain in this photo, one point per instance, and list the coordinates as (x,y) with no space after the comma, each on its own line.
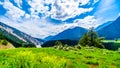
(103,25)
(48,38)
(70,34)
(110,30)
(17,37)
(41,41)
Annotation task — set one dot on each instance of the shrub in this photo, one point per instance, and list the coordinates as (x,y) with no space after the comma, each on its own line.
(78,47)
(4,42)
(92,62)
(58,45)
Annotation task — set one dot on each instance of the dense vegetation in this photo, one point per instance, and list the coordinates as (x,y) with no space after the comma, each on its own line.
(91,39)
(111,44)
(3,41)
(12,39)
(85,57)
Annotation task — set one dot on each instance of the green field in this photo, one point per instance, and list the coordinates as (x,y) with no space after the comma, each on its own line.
(118,41)
(54,58)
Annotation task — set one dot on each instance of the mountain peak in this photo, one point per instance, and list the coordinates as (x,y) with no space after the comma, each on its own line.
(71,34)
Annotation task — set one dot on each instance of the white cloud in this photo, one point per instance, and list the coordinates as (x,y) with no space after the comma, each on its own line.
(13,12)
(87,22)
(33,25)
(34,29)
(63,10)
(119,14)
(19,3)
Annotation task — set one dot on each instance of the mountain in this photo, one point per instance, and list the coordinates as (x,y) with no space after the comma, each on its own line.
(110,30)
(17,37)
(40,40)
(103,25)
(48,38)
(71,34)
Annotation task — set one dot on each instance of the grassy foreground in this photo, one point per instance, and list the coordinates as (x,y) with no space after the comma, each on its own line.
(54,58)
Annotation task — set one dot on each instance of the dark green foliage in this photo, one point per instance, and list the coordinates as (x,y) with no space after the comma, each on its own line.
(58,45)
(4,42)
(2,39)
(111,45)
(27,45)
(91,39)
(85,40)
(1,36)
(53,42)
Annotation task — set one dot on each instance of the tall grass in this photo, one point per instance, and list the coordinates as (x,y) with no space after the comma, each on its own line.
(54,58)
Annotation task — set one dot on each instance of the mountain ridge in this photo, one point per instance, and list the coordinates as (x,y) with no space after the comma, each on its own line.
(66,34)
(7,30)
(112,31)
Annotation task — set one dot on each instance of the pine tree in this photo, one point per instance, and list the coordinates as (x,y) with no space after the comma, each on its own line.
(91,39)
(85,40)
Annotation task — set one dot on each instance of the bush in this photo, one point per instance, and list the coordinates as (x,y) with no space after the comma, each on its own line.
(4,42)
(58,45)
(78,47)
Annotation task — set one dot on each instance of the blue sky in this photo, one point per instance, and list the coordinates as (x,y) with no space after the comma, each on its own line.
(41,18)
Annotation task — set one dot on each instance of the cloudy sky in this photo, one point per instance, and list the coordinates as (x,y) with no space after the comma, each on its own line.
(41,18)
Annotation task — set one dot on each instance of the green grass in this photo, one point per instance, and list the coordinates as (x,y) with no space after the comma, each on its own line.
(54,58)
(118,41)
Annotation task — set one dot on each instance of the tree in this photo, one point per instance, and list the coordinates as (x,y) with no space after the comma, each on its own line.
(91,39)
(85,40)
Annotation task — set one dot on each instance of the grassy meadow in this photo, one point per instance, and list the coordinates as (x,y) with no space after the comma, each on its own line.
(85,57)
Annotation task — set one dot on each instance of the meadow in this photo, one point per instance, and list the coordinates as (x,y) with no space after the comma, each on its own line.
(86,57)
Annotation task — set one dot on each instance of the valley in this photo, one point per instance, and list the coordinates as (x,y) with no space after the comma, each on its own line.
(59,34)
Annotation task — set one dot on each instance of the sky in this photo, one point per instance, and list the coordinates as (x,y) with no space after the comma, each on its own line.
(42,18)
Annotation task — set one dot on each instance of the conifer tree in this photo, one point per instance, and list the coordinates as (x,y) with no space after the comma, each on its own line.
(91,39)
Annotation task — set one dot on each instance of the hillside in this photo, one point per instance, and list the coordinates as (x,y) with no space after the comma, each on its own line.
(8,46)
(54,58)
(4,44)
(110,30)
(18,38)
(70,34)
